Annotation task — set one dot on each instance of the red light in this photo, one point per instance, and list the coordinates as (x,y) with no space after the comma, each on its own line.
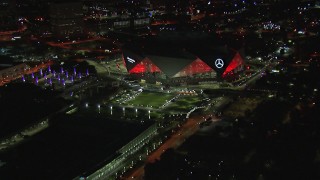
(145,66)
(196,67)
(236,61)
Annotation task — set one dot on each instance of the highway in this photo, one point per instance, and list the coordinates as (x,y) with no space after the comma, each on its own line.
(21,29)
(68,45)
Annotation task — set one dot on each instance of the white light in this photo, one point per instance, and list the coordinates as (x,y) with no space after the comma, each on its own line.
(219,63)
(131,60)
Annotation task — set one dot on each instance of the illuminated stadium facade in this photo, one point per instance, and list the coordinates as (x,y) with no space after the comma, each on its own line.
(154,61)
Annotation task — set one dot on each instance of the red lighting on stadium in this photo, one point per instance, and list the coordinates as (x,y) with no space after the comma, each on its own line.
(196,67)
(144,66)
(180,67)
(236,62)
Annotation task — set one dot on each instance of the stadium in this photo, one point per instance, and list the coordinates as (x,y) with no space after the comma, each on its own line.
(154,60)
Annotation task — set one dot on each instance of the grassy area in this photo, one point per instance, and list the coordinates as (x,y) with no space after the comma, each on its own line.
(153,99)
(184,103)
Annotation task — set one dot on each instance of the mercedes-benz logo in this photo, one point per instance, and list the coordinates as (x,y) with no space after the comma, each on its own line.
(219,63)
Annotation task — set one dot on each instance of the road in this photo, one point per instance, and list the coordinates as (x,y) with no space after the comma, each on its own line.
(68,45)
(21,29)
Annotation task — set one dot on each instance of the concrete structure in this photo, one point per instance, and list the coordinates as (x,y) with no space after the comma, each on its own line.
(119,162)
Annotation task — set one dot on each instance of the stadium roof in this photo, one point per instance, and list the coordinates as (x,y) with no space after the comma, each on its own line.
(175,53)
(170,66)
